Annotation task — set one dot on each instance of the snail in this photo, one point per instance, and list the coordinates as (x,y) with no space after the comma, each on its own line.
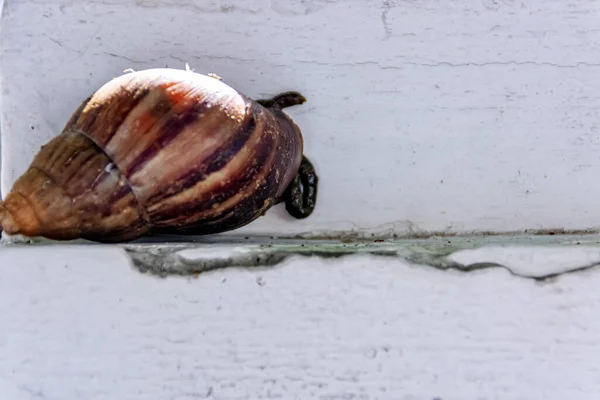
(163,151)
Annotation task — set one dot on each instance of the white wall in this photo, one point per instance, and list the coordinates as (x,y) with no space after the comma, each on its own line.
(89,327)
(460,115)
(453,115)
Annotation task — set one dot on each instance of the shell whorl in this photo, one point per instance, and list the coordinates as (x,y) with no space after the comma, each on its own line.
(160,150)
(70,191)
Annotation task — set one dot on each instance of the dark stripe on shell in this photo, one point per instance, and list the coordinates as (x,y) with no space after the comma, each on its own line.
(115,112)
(136,99)
(170,130)
(215,162)
(235,185)
(120,191)
(242,213)
(83,158)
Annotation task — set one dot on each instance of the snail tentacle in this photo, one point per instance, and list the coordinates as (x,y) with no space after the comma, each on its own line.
(283,100)
(301,195)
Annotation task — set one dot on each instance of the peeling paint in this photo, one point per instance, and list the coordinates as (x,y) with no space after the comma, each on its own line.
(537,255)
(531,257)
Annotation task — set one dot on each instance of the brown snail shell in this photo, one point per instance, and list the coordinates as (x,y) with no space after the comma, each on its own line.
(163,151)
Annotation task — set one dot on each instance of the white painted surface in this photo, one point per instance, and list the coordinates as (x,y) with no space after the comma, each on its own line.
(86,326)
(531,262)
(458,115)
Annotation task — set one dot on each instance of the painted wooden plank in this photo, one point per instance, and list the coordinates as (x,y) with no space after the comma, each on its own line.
(453,116)
(79,323)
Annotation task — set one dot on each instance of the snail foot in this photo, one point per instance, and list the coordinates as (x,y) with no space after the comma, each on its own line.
(301,195)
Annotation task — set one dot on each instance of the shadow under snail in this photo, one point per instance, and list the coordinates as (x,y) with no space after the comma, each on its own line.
(163,151)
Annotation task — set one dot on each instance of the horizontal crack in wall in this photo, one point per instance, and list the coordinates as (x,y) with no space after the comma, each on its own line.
(191,259)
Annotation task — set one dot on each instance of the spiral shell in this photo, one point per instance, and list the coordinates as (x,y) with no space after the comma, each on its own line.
(160,151)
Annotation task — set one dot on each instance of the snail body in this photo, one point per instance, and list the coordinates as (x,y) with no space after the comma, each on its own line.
(163,151)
